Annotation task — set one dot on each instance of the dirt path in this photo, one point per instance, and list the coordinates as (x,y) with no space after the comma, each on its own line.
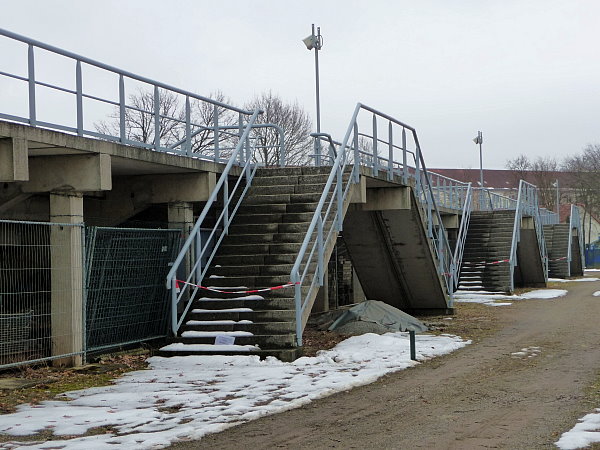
(478,397)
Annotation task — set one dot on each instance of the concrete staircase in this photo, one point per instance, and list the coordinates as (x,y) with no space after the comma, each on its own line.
(557,245)
(489,239)
(259,251)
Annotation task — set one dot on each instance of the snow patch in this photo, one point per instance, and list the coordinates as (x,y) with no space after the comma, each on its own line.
(188,397)
(586,432)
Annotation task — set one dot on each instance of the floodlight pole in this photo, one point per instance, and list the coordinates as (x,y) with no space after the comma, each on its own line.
(318,43)
(480,142)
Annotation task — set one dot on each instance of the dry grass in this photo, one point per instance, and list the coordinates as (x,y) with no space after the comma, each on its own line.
(48,382)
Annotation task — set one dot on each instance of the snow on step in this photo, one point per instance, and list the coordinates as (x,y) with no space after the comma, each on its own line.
(180,347)
(193,333)
(218,322)
(228,310)
(245,297)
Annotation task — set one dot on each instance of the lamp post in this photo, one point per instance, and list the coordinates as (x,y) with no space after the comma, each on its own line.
(315,41)
(479,140)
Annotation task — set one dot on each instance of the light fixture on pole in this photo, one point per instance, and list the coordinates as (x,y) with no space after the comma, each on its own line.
(479,140)
(315,41)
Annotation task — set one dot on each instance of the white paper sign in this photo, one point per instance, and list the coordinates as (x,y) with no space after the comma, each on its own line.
(224,340)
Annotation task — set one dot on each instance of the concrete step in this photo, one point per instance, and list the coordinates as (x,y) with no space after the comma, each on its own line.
(270,217)
(286,355)
(255,328)
(258,249)
(262,341)
(258,199)
(254,269)
(229,260)
(274,315)
(237,239)
(250,281)
(252,303)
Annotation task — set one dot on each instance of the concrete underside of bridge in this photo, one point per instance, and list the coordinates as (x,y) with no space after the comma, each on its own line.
(387,241)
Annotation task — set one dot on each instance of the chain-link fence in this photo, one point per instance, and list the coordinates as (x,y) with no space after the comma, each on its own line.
(126,291)
(41,272)
(52,305)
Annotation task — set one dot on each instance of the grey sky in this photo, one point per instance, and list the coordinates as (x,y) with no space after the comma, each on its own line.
(526,73)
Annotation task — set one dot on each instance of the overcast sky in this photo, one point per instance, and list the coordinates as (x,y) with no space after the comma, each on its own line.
(525,72)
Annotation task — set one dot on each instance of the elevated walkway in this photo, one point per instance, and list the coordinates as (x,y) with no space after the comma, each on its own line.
(277,237)
(505,246)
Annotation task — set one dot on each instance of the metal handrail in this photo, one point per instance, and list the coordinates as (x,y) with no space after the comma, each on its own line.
(462,233)
(527,204)
(155,113)
(329,211)
(194,249)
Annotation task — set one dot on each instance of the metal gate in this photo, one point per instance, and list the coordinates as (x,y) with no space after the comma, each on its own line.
(126,292)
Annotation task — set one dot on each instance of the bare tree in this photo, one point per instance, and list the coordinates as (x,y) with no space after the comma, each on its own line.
(139,121)
(296,125)
(584,172)
(542,171)
(139,118)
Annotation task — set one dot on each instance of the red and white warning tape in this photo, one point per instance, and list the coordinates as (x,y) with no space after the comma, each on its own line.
(484,263)
(558,259)
(221,291)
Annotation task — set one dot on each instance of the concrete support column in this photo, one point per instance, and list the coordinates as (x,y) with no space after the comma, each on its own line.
(322,301)
(66,262)
(181,217)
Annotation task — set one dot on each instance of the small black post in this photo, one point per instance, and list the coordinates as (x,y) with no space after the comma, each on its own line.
(413,350)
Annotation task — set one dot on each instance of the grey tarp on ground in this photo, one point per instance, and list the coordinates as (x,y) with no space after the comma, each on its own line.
(374,311)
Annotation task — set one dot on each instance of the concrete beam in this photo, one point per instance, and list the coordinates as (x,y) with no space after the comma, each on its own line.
(358,191)
(13,160)
(185,187)
(66,263)
(72,173)
(388,198)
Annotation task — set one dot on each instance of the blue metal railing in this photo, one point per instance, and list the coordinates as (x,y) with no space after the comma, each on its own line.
(346,160)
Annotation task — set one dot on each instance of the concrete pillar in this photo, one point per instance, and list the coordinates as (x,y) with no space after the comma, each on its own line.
(13,159)
(66,262)
(181,217)
(322,301)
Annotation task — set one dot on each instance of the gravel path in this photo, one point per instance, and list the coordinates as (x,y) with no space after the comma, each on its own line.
(483,396)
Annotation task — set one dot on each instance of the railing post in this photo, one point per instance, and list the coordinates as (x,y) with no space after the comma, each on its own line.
(356,155)
(216,132)
(321,269)
(174,295)
(79,98)
(418,169)
(31,83)
(317,147)
(298,303)
(198,259)
(241,155)
(390,152)
(281,148)
(122,130)
(248,157)
(340,200)
(375,152)
(404,157)
(156,118)
(226,207)
(188,126)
